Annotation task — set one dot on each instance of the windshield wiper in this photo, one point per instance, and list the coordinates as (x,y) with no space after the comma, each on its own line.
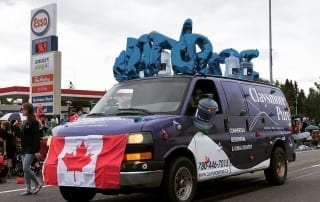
(97,114)
(135,110)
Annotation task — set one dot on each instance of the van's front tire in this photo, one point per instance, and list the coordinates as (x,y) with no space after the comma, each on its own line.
(180,180)
(276,174)
(77,193)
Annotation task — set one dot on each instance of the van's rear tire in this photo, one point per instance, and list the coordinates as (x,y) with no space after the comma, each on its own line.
(77,193)
(180,180)
(276,174)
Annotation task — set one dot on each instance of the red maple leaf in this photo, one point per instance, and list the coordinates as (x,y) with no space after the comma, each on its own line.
(78,161)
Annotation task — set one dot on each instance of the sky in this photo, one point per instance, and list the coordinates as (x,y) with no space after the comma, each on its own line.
(92,33)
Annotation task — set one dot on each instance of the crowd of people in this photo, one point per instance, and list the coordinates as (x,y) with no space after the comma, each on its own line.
(306,133)
(22,142)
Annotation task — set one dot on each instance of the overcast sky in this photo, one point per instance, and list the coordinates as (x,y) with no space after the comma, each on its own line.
(93,32)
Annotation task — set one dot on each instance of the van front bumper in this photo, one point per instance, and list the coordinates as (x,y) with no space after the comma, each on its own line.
(141,174)
(141,179)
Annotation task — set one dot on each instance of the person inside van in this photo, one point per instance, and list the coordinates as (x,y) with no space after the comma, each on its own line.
(193,104)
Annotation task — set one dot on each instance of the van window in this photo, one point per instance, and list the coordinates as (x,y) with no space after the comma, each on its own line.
(154,95)
(235,98)
(202,89)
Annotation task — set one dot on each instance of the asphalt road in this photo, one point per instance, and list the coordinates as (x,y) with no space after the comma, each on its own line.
(302,185)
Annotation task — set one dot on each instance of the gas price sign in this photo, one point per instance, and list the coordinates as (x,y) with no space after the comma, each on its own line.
(41,47)
(45,44)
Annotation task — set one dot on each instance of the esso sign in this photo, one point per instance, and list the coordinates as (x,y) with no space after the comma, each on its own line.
(40,22)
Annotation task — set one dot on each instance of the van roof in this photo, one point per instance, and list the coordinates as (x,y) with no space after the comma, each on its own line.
(202,76)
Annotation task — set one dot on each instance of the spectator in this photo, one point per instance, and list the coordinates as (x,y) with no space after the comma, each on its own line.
(304,124)
(8,143)
(30,143)
(74,117)
(16,127)
(63,120)
(297,125)
(43,127)
(53,124)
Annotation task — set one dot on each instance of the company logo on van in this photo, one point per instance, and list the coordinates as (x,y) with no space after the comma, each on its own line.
(265,98)
(280,101)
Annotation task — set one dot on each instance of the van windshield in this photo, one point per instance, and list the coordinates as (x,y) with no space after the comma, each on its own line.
(145,97)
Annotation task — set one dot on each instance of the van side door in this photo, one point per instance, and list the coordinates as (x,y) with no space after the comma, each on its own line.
(240,136)
(275,114)
(257,119)
(211,147)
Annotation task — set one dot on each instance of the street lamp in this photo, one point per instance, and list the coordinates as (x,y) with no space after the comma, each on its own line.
(297,103)
(270,44)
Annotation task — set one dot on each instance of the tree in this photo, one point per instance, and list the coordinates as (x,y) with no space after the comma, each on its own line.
(302,99)
(290,90)
(312,103)
(300,103)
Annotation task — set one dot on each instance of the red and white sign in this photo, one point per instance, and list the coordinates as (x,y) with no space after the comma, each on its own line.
(42,78)
(85,161)
(42,89)
(44,21)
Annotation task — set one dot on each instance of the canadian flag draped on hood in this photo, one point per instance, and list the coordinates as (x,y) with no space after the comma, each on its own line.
(85,161)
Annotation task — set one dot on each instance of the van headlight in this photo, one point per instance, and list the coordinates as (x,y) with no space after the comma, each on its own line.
(140,138)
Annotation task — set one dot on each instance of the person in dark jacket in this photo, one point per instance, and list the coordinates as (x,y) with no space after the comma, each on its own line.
(9,143)
(30,145)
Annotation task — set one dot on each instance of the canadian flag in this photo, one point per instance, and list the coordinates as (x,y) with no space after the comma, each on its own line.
(85,161)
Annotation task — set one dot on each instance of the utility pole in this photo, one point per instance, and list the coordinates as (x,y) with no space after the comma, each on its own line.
(270,44)
(297,103)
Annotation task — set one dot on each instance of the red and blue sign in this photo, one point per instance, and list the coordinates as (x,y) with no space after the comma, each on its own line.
(40,22)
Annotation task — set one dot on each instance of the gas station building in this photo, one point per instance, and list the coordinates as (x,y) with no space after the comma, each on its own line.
(72,100)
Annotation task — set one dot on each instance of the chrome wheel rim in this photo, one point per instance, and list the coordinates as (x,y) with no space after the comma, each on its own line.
(280,166)
(183,183)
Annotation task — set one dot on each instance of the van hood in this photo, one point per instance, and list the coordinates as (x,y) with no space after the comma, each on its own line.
(106,125)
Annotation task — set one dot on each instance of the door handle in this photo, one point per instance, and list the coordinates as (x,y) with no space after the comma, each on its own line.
(226,125)
(247,125)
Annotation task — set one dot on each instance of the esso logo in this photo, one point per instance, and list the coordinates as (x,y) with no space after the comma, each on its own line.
(40,22)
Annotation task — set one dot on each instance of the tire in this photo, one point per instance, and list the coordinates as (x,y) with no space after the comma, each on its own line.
(276,174)
(77,193)
(180,180)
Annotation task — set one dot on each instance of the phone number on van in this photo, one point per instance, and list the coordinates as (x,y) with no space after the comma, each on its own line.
(214,164)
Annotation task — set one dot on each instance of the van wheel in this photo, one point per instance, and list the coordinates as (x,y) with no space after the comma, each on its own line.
(180,181)
(276,174)
(77,193)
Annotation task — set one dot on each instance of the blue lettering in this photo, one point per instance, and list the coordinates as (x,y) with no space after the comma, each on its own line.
(144,55)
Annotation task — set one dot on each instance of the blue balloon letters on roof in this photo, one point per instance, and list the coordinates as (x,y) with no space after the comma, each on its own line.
(144,54)
(184,57)
(214,64)
(248,55)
